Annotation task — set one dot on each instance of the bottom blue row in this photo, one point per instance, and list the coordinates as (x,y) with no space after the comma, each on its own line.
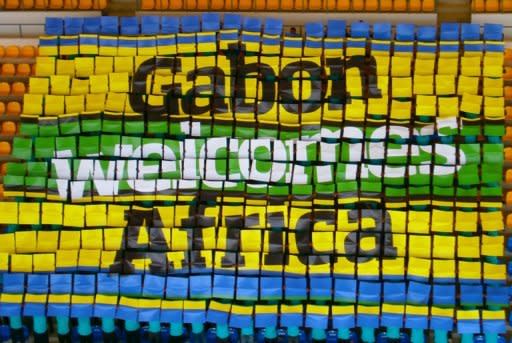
(142,335)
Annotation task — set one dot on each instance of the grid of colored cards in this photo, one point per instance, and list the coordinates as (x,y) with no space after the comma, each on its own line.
(222,171)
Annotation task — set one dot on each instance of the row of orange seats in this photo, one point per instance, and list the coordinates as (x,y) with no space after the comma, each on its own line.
(15,88)
(291,5)
(22,69)
(508,76)
(8,128)
(492,5)
(53,4)
(14,51)
(12,108)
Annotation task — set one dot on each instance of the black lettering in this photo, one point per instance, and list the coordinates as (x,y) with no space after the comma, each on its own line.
(138,96)
(303,234)
(240,70)
(338,95)
(275,238)
(141,219)
(288,101)
(368,73)
(215,74)
(381,234)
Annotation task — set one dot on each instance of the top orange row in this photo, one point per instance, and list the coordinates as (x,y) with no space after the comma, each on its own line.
(317,5)
(258,5)
(84,5)
(491,5)
(14,51)
(290,5)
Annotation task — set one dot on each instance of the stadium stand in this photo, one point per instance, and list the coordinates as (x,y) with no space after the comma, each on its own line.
(152,191)
(290,5)
(79,94)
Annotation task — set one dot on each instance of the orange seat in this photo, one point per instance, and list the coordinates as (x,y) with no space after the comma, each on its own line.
(386,5)
(259,5)
(9,128)
(343,5)
(3,168)
(300,5)
(330,5)
(203,5)
(400,5)
(12,4)
(508,73)
(507,5)
(162,5)
(508,201)
(215,5)
(147,5)
(508,54)
(99,4)
(492,5)
(41,4)
(70,4)
(358,5)
(372,5)
(23,69)
(508,111)
(8,69)
(27,4)
(2,108)
(12,51)
(28,51)
(13,108)
(18,88)
(286,5)
(415,5)
(316,5)
(508,134)
(176,5)
(5,148)
(33,69)
(1,191)
(272,5)
(508,176)
(2,51)
(56,4)
(479,5)
(245,5)
(429,6)
(508,93)
(235,4)
(84,4)
(5,89)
